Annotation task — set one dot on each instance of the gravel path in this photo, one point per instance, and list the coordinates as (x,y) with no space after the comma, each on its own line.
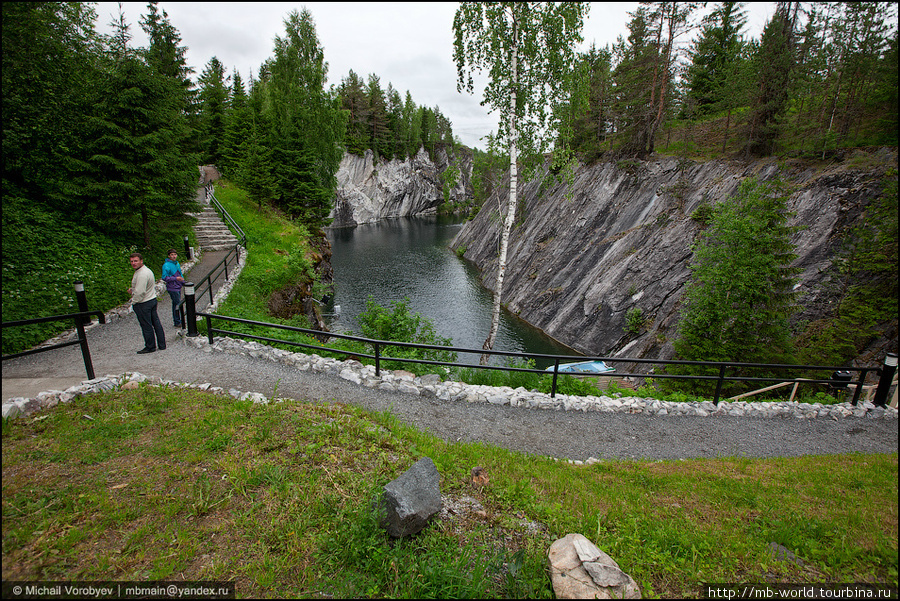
(561,434)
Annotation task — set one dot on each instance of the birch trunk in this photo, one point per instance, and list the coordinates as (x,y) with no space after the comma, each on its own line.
(511,207)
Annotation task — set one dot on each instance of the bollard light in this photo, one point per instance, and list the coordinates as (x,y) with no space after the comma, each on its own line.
(187,249)
(81,297)
(884,381)
(190,309)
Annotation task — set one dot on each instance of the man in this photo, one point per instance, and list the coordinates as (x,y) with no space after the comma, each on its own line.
(143,301)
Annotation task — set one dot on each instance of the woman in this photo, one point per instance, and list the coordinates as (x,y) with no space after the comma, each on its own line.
(172,276)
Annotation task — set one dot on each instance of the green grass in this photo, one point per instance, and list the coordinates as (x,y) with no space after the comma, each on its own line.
(163,483)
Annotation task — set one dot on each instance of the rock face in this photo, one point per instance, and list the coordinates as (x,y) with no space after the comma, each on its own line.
(370,190)
(622,239)
(579,570)
(409,501)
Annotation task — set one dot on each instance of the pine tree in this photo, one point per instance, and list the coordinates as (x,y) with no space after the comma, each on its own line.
(213,107)
(741,294)
(774,64)
(307,123)
(645,73)
(379,132)
(713,55)
(353,100)
(50,55)
(135,165)
(238,125)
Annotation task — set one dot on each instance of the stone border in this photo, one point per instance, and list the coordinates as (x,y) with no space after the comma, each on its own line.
(432,386)
(450,391)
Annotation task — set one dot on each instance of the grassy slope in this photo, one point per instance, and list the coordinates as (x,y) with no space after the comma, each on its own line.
(159,483)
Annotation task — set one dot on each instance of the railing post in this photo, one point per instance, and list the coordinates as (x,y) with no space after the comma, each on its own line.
(85,351)
(190,309)
(377,360)
(209,332)
(82,304)
(555,374)
(719,383)
(884,381)
(859,386)
(187,249)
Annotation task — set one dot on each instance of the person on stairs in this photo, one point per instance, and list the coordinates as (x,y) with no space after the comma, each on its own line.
(174,279)
(143,302)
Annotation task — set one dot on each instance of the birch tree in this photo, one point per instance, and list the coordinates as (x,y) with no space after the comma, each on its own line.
(528,50)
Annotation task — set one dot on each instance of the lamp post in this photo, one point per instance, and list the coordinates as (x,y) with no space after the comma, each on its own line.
(884,382)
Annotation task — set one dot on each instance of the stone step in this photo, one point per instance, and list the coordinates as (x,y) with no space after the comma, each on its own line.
(211,231)
(215,236)
(212,227)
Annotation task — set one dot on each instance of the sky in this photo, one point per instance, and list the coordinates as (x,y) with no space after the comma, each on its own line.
(406,44)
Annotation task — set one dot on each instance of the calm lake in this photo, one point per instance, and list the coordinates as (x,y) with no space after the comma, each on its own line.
(410,258)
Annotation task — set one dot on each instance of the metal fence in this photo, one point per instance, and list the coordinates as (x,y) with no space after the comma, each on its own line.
(839,378)
(81,319)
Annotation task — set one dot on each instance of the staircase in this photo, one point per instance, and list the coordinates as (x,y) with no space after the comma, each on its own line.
(211,231)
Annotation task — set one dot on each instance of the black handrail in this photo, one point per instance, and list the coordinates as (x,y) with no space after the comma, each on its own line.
(212,276)
(81,339)
(377,346)
(242,238)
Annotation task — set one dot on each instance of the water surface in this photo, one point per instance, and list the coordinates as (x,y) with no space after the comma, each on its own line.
(410,258)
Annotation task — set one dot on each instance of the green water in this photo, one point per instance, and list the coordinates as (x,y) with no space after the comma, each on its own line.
(410,258)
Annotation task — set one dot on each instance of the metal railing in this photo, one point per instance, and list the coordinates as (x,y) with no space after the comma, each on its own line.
(81,339)
(205,286)
(229,220)
(886,373)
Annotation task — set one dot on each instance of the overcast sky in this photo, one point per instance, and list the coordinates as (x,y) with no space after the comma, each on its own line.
(409,44)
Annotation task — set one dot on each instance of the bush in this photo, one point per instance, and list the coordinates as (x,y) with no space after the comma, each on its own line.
(400,325)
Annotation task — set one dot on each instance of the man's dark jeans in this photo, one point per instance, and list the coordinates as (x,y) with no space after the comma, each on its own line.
(149,320)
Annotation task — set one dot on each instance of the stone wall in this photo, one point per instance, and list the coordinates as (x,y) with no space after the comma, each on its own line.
(370,190)
(621,238)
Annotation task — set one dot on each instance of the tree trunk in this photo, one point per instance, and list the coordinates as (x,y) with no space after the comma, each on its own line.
(511,206)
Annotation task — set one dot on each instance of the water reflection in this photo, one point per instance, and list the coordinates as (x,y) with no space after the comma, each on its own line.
(409,258)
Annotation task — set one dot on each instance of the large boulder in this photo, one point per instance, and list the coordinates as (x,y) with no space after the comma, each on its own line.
(409,501)
(579,570)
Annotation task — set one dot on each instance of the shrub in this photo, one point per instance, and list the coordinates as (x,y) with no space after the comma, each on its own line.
(400,325)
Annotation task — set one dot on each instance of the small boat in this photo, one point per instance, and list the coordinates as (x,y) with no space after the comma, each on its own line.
(601,374)
(585,368)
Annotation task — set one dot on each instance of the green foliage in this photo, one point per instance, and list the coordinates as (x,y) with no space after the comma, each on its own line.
(401,325)
(741,293)
(634,320)
(704,213)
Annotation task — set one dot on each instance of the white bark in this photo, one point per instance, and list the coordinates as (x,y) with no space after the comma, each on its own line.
(511,207)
